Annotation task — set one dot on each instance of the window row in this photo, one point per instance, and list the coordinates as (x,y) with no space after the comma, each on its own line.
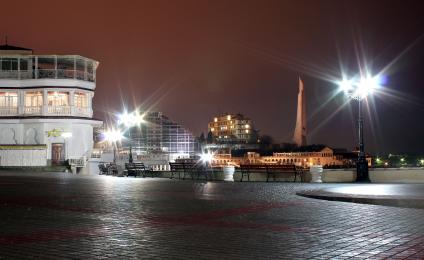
(35,99)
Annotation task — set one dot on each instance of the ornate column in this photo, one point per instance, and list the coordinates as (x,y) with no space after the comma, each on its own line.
(45,102)
(72,102)
(21,102)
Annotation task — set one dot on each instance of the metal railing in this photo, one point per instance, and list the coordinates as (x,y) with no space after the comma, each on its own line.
(59,110)
(8,111)
(50,67)
(82,111)
(77,162)
(33,110)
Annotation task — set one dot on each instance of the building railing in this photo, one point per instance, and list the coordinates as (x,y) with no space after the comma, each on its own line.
(50,67)
(8,111)
(59,110)
(82,111)
(33,110)
(77,162)
(49,111)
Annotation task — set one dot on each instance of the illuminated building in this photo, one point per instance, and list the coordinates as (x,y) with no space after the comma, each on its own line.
(231,129)
(160,135)
(305,157)
(45,107)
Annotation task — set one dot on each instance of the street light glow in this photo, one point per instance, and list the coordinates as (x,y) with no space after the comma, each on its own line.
(206,157)
(130,119)
(126,119)
(360,89)
(113,135)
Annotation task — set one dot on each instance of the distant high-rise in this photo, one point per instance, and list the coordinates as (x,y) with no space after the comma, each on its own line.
(231,128)
(300,130)
(159,134)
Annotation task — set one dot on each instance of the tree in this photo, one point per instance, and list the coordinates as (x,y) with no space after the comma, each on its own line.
(202,138)
(254,137)
(210,138)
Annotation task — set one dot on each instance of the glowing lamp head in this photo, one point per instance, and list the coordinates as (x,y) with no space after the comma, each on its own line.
(126,119)
(113,135)
(206,157)
(360,89)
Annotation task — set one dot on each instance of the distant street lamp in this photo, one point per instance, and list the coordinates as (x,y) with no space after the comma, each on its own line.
(129,120)
(359,90)
(113,136)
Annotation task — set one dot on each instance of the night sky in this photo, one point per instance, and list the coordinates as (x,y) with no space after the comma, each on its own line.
(196,59)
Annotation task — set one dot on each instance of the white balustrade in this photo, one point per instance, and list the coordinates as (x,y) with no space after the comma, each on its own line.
(8,111)
(33,110)
(59,110)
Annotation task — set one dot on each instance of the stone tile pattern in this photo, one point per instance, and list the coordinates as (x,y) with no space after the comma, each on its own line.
(51,216)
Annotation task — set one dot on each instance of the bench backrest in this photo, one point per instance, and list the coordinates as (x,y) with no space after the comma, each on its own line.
(137,165)
(268,167)
(184,166)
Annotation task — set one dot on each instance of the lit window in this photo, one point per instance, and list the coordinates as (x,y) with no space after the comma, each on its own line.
(80,99)
(247,131)
(8,99)
(215,119)
(247,126)
(212,129)
(229,117)
(55,98)
(34,99)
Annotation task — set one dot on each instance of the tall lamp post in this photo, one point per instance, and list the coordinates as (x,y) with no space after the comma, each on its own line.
(129,120)
(113,136)
(359,90)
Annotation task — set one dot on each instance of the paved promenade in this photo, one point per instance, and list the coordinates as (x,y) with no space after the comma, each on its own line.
(71,217)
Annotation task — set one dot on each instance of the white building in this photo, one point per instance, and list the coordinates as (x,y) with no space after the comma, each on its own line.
(45,107)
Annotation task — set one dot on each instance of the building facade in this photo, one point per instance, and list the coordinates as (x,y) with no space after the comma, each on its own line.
(229,128)
(45,107)
(324,156)
(160,135)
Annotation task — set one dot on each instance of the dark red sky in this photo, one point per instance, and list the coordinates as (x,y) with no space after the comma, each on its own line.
(195,59)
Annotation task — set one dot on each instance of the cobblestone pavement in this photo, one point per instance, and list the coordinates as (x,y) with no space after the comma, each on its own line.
(48,216)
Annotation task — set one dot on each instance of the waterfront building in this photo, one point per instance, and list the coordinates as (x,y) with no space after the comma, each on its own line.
(231,128)
(158,135)
(304,157)
(46,113)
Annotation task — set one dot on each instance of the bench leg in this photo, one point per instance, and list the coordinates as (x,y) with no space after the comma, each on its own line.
(267,177)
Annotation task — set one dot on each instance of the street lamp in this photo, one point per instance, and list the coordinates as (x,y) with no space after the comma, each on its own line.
(113,136)
(359,90)
(129,120)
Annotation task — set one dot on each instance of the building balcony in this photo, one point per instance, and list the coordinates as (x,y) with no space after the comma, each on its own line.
(8,111)
(20,67)
(59,110)
(45,111)
(33,110)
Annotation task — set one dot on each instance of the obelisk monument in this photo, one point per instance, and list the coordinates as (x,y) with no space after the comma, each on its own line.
(300,130)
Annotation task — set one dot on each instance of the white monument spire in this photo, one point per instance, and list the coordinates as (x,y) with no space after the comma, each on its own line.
(300,130)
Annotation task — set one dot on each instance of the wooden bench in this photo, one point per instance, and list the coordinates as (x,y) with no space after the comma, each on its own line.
(270,169)
(112,169)
(188,168)
(135,169)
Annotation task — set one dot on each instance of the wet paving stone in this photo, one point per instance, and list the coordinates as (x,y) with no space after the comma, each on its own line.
(60,216)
